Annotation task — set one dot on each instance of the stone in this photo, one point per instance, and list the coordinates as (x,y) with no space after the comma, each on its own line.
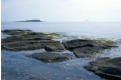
(56,47)
(106,67)
(85,52)
(16,32)
(88,43)
(50,57)
(78,43)
(30,41)
(32,45)
(88,48)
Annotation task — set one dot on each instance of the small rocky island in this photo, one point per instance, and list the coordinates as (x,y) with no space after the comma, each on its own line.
(20,40)
(30,21)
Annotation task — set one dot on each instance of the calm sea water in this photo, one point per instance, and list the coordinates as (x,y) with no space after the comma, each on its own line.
(16,66)
(96,29)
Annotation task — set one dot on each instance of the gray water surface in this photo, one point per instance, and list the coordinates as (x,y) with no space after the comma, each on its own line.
(92,29)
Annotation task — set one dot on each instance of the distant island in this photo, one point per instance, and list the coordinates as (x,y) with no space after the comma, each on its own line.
(30,21)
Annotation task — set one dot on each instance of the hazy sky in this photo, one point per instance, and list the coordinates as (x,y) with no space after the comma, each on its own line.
(62,10)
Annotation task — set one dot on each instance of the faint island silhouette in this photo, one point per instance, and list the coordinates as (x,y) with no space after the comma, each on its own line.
(33,20)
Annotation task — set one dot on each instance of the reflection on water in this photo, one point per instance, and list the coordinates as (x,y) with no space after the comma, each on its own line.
(16,66)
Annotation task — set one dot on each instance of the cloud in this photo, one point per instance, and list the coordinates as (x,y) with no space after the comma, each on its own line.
(62,10)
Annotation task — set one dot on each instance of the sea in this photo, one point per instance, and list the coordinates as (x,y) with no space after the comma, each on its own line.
(16,66)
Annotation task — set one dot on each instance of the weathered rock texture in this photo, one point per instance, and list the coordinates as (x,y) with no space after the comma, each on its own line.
(107,68)
(50,57)
(88,48)
(27,40)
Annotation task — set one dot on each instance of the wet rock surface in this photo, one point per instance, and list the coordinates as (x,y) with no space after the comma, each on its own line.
(30,41)
(78,43)
(85,52)
(107,68)
(88,43)
(32,45)
(50,57)
(88,48)
(16,32)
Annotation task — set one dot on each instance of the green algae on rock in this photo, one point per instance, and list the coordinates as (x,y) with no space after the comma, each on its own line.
(32,45)
(100,40)
(30,41)
(55,35)
(88,47)
(16,32)
(29,32)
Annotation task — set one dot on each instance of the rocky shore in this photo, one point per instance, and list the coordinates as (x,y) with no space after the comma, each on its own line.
(107,68)
(20,40)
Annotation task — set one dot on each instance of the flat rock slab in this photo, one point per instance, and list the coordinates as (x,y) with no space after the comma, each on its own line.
(88,48)
(72,44)
(86,52)
(16,32)
(49,57)
(33,44)
(28,40)
(30,34)
(107,68)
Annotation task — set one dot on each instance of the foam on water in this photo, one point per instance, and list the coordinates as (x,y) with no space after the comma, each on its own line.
(114,52)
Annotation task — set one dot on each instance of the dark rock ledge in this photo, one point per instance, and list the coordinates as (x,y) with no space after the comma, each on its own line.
(28,40)
(107,68)
(50,57)
(87,47)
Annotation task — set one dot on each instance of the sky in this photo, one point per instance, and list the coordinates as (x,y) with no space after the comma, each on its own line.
(62,10)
